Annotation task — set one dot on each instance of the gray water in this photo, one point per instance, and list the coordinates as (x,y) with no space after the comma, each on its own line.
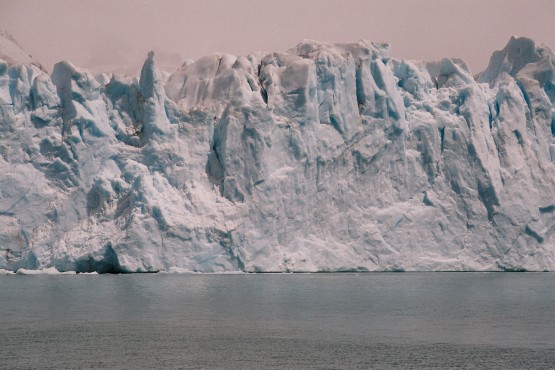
(375,320)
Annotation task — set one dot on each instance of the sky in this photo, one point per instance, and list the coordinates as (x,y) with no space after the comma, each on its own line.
(100,34)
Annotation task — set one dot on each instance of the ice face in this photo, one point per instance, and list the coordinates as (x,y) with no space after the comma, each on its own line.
(328,157)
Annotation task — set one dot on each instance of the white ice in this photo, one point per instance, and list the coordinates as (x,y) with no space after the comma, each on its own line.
(327,157)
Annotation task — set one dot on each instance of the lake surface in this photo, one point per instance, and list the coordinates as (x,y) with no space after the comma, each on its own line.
(380,320)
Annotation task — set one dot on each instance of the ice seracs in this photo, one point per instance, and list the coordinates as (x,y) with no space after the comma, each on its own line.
(326,157)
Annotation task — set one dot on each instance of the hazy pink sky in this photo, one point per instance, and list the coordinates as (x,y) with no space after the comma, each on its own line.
(89,32)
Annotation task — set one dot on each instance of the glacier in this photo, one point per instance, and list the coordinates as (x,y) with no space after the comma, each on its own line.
(326,157)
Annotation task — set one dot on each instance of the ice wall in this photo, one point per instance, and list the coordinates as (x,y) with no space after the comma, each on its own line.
(328,157)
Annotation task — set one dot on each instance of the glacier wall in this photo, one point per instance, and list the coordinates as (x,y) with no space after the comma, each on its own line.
(328,157)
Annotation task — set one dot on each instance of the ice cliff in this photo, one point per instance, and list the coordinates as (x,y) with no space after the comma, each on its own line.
(328,157)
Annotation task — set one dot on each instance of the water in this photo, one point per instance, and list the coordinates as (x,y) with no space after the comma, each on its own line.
(381,320)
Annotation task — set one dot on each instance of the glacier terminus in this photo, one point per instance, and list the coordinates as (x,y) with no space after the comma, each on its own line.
(326,157)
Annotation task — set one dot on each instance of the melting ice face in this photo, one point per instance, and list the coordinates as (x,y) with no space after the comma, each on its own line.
(328,157)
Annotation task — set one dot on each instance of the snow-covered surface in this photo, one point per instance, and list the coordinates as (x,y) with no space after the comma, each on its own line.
(12,53)
(328,157)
